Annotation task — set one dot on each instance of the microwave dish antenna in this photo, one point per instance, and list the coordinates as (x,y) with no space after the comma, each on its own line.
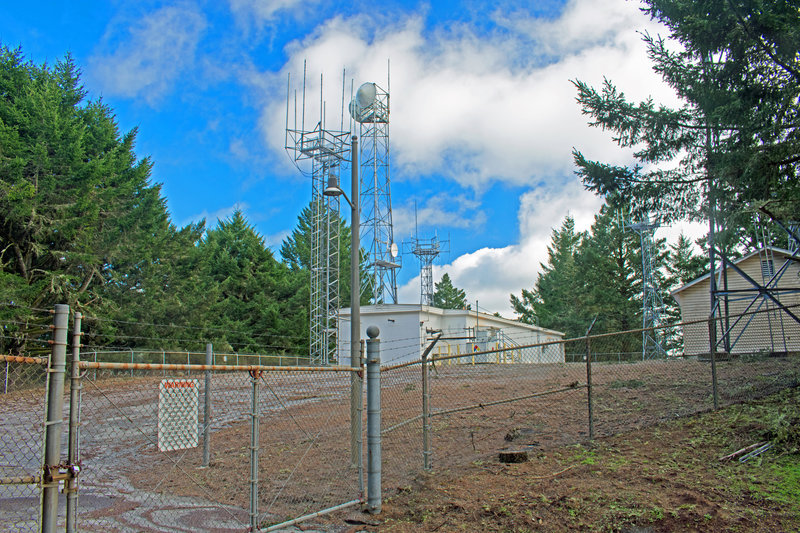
(366,107)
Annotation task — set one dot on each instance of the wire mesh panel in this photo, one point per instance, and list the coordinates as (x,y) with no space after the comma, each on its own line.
(479,409)
(631,390)
(482,403)
(304,445)
(142,449)
(24,343)
(21,430)
(401,425)
(135,477)
(757,360)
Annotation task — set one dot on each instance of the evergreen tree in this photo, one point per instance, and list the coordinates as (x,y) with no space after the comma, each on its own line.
(447,296)
(76,204)
(738,71)
(610,267)
(254,309)
(296,254)
(684,265)
(555,302)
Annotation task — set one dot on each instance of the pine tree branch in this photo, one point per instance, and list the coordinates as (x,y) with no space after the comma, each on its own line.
(761,44)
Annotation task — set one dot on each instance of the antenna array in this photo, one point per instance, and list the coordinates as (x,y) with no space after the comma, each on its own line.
(326,149)
(426,251)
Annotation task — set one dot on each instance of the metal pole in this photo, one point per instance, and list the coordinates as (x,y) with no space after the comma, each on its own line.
(254,453)
(54,418)
(589,397)
(355,308)
(373,420)
(207,407)
(361,354)
(712,338)
(426,420)
(712,216)
(426,409)
(75,387)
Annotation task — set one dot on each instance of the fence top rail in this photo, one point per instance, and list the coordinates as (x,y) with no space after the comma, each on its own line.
(26,360)
(216,368)
(138,351)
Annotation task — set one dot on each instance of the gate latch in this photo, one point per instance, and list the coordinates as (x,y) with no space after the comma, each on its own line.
(60,472)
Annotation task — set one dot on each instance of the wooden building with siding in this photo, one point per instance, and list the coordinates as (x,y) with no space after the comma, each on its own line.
(755,323)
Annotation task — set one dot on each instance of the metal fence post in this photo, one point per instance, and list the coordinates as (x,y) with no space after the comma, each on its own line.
(254,375)
(73,459)
(590,399)
(426,415)
(54,419)
(207,407)
(712,341)
(356,393)
(361,377)
(426,408)
(373,420)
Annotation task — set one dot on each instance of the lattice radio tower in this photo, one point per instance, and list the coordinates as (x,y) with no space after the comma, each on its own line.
(652,303)
(370,111)
(426,250)
(327,149)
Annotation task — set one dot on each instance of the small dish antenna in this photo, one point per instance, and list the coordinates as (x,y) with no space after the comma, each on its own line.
(393,250)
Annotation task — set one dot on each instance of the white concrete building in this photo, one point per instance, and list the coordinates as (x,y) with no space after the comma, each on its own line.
(406,329)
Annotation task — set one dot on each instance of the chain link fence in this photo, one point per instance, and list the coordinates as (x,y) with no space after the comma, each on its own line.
(484,403)
(168,443)
(144,473)
(27,337)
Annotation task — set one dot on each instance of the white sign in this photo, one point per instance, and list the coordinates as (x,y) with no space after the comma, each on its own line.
(178,402)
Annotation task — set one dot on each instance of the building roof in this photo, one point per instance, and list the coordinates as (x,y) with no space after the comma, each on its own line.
(773,249)
(396,309)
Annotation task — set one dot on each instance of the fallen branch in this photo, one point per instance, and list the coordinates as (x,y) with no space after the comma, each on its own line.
(743,451)
(553,475)
(538,478)
(758,451)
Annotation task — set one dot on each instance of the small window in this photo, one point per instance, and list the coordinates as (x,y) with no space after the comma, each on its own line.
(767,268)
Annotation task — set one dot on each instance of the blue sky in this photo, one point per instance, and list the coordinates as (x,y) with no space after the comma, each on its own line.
(483,112)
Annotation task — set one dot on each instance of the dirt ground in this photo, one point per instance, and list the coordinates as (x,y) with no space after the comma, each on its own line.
(645,469)
(304,466)
(667,477)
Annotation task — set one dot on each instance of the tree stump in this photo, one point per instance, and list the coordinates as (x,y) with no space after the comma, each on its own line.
(513,456)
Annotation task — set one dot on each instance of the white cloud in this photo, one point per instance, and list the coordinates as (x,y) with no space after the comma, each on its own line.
(440,210)
(490,275)
(478,109)
(213,218)
(261,11)
(275,240)
(156,50)
(473,107)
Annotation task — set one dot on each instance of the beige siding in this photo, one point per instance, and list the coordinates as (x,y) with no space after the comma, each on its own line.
(762,332)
